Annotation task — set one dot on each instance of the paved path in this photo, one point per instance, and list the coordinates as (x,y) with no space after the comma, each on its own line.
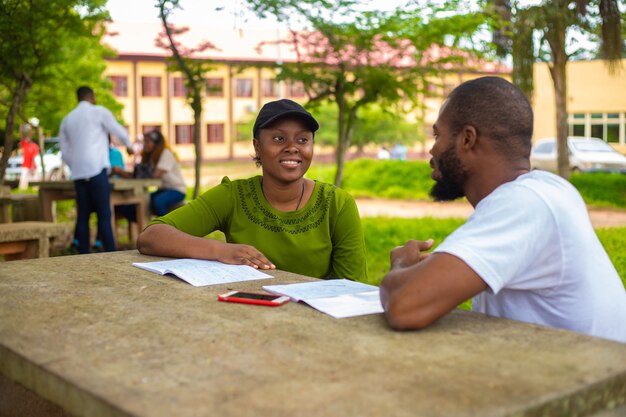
(409,209)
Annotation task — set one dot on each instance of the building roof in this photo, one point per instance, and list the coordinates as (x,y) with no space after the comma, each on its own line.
(257,45)
(140,39)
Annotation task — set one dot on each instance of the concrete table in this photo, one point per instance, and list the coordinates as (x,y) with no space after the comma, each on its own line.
(123,191)
(99,337)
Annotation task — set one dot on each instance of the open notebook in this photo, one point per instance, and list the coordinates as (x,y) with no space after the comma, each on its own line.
(339,298)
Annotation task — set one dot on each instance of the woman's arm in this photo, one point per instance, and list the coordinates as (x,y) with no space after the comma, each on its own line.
(166,240)
(348,257)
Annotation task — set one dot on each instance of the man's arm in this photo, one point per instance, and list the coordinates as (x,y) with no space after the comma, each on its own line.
(64,145)
(113,127)
(420,288)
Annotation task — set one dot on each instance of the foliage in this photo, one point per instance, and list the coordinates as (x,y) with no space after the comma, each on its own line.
(601,189)
(382,179)
(411,180)
(40,42)
(50,101)
(375,126)
(534,32)
(389,179)
(192,69)
(364,57)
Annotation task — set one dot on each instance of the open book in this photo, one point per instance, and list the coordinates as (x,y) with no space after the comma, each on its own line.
(199,272)
(339,298)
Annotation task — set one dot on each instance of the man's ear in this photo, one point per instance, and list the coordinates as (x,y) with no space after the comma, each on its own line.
(255,143)
(470,137)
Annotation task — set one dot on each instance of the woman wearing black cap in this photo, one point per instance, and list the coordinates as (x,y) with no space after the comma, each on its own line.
(275,220)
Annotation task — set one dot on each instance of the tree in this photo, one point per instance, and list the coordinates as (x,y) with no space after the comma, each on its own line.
(540,32)
(193,73)
(36,44)
(356,58)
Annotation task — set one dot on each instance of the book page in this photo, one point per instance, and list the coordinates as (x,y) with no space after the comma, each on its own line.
(198,272)
(306,291)
(349,305)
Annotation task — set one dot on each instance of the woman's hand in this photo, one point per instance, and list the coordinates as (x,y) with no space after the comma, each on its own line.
(238,254)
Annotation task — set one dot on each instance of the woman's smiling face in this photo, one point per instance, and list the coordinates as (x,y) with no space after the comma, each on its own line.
(285,149)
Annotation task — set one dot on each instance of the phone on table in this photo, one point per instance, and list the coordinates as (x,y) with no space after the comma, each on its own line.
(257,298)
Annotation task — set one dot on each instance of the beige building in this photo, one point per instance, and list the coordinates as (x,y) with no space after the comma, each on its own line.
(596,102)
(241,80)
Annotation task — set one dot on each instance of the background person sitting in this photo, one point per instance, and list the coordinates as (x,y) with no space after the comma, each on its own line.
(163,164)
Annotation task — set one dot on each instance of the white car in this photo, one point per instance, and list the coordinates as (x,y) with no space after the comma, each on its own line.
(585,155)
(55,168)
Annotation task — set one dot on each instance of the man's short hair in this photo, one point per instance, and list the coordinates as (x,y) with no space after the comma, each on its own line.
(495,108)
(84,93)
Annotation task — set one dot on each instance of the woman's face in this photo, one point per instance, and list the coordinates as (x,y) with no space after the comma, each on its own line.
(148,145)
(285,149)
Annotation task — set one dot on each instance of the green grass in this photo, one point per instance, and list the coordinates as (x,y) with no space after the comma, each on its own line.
(383,234)
(600,189)
(614,241)
(410,180)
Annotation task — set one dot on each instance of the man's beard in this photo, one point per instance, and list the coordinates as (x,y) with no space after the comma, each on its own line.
(453,177)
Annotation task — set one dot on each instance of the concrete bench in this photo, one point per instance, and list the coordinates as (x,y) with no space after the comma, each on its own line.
(25,207)
(25,240)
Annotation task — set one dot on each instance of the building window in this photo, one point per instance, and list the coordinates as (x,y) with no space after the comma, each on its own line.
(120,85)
(243,87)
(180,90)
(151,86)
(215,132)
(269,87)
(149,128)
(184,134)
(610,127)
(296,89)
(215,87)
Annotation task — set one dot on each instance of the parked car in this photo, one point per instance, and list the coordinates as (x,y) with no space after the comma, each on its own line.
(55,168)
(585,155)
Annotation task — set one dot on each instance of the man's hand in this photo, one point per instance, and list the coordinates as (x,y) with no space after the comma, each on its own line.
(238,254)
(410,253)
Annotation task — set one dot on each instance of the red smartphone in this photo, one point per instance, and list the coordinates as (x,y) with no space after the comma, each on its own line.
(257,298)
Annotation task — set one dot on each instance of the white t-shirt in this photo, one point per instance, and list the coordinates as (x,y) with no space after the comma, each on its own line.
(172,176)
(84,142)
(533,244)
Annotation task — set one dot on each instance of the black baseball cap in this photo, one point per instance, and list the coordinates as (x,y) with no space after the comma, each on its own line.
(275,110)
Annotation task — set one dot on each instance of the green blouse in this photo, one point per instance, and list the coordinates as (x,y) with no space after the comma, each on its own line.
(323,239)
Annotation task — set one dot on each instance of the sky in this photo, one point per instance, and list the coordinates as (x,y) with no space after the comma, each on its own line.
(203,12)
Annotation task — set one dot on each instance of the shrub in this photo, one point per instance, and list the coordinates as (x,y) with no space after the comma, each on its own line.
(388,179)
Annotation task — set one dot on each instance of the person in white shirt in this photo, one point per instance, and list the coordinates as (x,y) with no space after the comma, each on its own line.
(529,251)
(85,148)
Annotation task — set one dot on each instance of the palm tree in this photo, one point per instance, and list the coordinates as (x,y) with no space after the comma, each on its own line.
(539,32)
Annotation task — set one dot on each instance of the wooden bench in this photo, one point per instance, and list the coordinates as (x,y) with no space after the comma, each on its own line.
(25,240)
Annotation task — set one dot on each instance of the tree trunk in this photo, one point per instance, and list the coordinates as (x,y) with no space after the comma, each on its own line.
(559,79)
(18,96)
(556,39)
(340,151)
(197,125)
